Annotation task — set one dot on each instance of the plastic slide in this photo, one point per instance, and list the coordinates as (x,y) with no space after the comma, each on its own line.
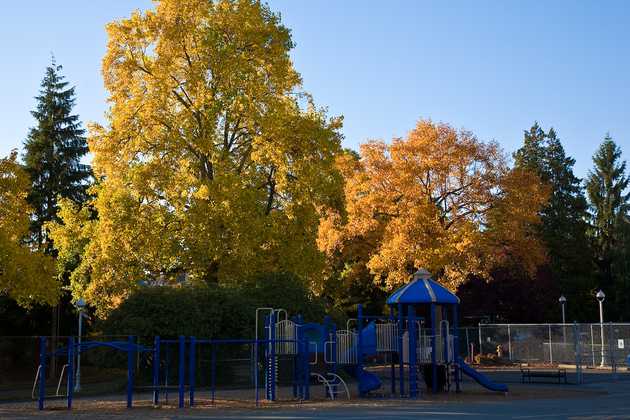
(367,381)
(482,379)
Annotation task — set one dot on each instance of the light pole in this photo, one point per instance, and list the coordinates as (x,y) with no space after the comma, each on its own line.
(600,298)
(563,301)
(81,308)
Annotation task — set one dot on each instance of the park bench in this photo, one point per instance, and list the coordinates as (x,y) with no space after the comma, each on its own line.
(559,374)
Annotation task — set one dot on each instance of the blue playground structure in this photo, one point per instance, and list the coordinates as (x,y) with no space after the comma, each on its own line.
(385,355)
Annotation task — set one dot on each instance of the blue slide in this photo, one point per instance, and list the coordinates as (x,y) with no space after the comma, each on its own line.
(482,379)
(367,381)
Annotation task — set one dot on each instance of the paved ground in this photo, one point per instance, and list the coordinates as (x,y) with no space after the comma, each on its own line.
(609,400)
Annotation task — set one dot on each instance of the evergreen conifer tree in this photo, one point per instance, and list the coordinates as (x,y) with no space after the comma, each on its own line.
(53,152)
(564,219)
(607,186)
(54,148)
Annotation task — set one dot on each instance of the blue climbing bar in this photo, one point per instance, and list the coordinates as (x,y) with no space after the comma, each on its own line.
(182,370)
(156,370)
(130,371)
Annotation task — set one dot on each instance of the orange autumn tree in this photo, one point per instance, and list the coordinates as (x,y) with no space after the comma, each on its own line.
(439,199)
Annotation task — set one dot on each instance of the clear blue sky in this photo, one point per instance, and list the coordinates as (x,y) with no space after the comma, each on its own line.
(492,67)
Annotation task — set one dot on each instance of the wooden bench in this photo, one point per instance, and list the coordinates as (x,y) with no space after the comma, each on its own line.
(558,374)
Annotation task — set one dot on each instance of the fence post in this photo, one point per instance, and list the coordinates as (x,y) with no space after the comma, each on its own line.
(611,349)
(470,356)
(156,370)
(578,352)
(592,345)
(550,345)
(182,370)
(130,373)
(480,341)
(191,371)
(509,343)
(70,371)
(42,372)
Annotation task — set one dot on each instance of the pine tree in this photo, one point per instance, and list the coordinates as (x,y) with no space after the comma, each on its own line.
(564,226)
(606,187)
(53,152)
(54,148)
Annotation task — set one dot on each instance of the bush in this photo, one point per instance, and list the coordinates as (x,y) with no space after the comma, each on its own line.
(210,312)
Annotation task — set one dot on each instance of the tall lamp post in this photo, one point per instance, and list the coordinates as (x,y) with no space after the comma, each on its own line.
(563,302)
(81,308)
(600,298)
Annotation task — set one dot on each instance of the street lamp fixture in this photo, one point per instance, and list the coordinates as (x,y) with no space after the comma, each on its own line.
(600,296)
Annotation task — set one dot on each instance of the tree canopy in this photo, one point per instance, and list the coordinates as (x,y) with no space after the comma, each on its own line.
(214,164)
(439,199)
(26,275)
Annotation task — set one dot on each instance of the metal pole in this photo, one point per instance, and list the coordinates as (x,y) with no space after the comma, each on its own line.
(191,370)
(509,343)
(42,372)
(578,352)
(564,332)
(601,329)
(70,371)
(550,346)
(592,346)
(77,386)
(130,373)
(480,352)
(181,371)
(156,370)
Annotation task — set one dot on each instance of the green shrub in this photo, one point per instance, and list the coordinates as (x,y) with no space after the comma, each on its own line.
(210,312)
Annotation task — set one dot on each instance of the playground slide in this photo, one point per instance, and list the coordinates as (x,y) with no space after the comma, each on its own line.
(482,379)
(367,381)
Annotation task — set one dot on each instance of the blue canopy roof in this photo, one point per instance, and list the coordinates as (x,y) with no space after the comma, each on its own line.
(423,290)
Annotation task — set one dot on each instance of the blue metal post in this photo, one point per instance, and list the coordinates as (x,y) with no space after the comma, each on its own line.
(360,340)
(255,361)
(191,371)
(306,370)
(413,377)
(393,367)
(434,383)
(401,359)
(302,355)
(182,370)
(333,334)
(213,373)
(456,348)
(130,374)
(70,371)
(42,373)
(156,370)
(272,358)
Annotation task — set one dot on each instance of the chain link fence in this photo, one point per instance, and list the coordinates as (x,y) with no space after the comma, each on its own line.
(604,348)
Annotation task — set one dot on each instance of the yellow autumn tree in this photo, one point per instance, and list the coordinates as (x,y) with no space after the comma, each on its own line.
(25,274)
(439,199)
(214,163)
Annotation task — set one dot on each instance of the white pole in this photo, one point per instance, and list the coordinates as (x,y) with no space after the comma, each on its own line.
(564,332)
(601,328)
(77,386)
